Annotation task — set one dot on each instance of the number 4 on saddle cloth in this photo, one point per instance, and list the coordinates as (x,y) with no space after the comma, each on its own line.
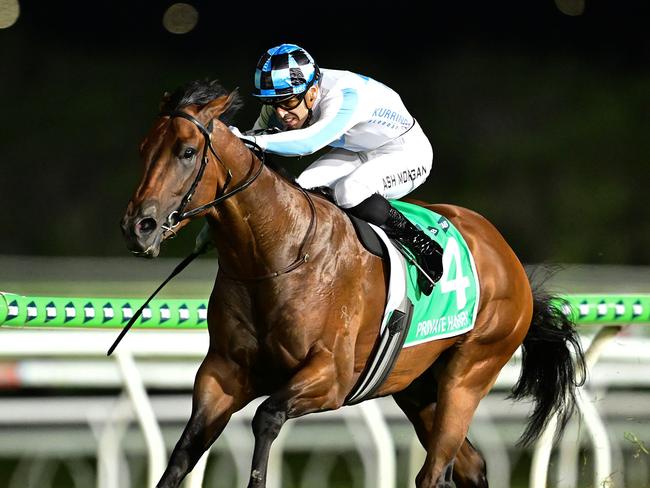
(411,317)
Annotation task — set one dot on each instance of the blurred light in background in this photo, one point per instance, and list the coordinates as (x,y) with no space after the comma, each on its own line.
(571,7)
(9,12)
(180,18)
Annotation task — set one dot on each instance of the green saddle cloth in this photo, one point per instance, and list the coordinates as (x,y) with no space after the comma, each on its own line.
(451,308)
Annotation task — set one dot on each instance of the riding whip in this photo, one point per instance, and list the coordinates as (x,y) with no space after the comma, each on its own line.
(181,266)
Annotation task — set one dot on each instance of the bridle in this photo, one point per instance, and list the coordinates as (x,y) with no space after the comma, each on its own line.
(180,214)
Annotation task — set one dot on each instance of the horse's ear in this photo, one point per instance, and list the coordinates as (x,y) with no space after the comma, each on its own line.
(165,100)
(219,105)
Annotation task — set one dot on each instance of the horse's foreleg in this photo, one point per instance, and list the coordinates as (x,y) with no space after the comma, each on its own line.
(469,468)
(312,389)
(218,392)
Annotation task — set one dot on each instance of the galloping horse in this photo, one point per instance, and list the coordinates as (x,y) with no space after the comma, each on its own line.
(297,303)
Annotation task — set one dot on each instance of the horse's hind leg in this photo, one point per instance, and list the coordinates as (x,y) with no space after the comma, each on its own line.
(418,403)
(470,470)
(312,389)
(463,381)
(211,410)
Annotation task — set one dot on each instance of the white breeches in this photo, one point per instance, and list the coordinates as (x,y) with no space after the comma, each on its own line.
(392,170)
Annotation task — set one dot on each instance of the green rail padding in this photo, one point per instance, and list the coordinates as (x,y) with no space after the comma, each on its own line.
(25,311)
(594,309)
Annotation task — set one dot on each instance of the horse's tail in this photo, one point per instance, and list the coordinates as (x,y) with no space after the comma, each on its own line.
(549,373)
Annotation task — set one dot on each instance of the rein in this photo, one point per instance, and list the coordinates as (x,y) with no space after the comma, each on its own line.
(178,215)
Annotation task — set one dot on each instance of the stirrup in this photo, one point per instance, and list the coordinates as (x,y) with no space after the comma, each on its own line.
(429,254)
(425,282)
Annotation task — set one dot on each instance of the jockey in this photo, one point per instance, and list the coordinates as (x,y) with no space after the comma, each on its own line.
(378,150)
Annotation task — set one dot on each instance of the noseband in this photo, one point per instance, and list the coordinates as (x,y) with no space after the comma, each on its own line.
(178,215)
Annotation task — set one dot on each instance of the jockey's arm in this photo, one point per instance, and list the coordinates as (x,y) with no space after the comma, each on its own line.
(338,113)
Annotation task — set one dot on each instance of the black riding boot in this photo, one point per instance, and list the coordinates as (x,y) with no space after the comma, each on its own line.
(428,252)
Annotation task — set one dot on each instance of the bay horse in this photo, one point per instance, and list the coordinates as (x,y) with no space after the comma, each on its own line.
(297,303)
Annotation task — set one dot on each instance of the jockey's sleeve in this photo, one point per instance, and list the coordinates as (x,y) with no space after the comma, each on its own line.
(338,113)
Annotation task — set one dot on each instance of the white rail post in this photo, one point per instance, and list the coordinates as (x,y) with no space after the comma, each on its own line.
(146,417)
(110,456)
(593,422)
(240,441)
(383,441)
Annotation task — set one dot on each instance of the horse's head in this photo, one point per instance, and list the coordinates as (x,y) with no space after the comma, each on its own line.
(180,173)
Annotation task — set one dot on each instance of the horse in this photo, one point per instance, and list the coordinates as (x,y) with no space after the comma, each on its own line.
(297,301)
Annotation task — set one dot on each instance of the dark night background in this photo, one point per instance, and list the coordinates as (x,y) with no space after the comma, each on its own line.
(539,120)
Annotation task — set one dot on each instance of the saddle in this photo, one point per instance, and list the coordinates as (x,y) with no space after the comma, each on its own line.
(368,238)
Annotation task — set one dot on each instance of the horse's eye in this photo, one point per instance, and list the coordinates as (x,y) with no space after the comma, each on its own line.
(189,153)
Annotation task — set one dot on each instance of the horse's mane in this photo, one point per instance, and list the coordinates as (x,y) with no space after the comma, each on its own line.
(200,92)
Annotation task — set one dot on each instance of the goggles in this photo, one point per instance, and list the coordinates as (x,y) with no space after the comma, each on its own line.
(287,103)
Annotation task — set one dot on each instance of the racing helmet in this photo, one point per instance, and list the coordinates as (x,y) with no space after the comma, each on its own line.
(284,71)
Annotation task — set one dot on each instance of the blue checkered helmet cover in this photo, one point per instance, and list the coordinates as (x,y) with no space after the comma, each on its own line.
(284,71)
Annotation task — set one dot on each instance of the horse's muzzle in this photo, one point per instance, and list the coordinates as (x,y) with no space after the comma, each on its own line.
(142,231)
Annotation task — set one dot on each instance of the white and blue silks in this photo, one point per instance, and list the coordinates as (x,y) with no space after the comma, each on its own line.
(378,147)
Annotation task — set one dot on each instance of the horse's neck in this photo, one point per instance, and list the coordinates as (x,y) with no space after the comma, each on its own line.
(261,229)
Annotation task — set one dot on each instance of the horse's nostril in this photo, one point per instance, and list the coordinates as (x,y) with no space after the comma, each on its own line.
(146,226)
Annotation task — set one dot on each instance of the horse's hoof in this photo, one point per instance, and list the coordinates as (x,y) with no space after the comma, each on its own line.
(425,481)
